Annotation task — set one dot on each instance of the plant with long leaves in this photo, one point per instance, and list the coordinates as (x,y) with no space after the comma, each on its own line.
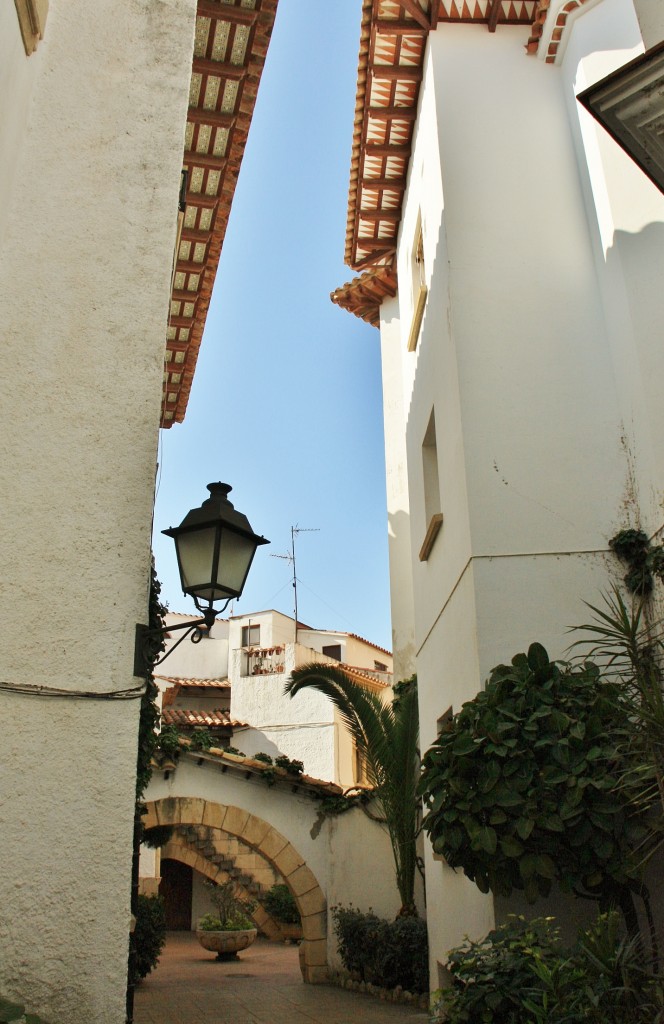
(631,649)
(386,737)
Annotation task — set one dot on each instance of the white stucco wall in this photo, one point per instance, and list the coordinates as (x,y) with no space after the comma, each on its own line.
(539,353)
(207,659)
(89,207)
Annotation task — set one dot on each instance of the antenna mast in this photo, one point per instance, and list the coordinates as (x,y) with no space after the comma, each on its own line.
(290,557)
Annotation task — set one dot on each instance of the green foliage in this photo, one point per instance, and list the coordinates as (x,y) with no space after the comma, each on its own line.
(522,974)
(168,742)
(291,766)
(265,758)
(148,938)
(232,910)
(644,560)
(386,738)
(149,713)
(520,789)
(280,903)
(385,953)
(157,836)
(14,1013)
(201,739)
(234,750)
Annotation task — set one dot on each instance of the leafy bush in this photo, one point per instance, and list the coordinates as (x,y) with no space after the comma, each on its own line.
(293,767)
(201,739)
(521,974)
(521,789)
(385,953)
(280,903)
(147,940)
(168,741)
(232,910)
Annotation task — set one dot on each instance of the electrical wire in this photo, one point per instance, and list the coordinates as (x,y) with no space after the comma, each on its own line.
(36,690)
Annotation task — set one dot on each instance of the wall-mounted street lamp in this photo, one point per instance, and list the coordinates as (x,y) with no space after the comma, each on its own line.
(629,104)
(215,546)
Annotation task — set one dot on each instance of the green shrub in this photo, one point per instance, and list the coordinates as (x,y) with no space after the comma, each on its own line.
(201,739)
(14,1013)
(293,767)
(168,741)
(148,938)
(521,788)
(385,953)
(280,903)
(232,909)
(157,836)
(522,974)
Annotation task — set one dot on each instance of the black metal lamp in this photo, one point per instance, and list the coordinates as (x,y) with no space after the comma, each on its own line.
(215,547)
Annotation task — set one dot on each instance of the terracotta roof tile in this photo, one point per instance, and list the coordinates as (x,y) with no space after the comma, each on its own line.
(230,46)
(202,719)
(393,39)
(364,294)
(196,684)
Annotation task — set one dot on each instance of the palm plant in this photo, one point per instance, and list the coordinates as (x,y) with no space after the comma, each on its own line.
(632,649)
(386,737)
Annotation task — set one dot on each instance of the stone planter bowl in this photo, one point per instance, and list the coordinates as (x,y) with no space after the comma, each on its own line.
(227,944)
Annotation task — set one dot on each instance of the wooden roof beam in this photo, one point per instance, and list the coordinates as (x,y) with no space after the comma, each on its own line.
(224,12)
(189,267)
(219,69)
(435,13)
(217,118)
(377,215)
(200,199)
(416,12)
(379,184)
(386,149)
(392,113)
(192,235)
(184,295)
(181,321)
(398,27)
(496,6)
(404,73)
(374,254)
(217,163)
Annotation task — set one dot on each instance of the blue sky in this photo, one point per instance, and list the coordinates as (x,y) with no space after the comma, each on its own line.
(286,401)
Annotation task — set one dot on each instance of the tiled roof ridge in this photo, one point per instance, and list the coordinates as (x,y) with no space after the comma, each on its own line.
(253,766)
(354,636)
(189,716)
(192,681)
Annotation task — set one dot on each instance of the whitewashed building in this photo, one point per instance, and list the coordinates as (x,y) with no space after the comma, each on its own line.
(104,258)
(254,655)
(513,257)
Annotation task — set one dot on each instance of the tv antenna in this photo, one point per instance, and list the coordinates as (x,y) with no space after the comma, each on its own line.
(290,558)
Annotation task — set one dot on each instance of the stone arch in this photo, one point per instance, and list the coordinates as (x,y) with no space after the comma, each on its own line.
(258,834)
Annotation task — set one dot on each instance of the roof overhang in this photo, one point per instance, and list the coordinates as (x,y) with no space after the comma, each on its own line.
(629,104)
(230,46)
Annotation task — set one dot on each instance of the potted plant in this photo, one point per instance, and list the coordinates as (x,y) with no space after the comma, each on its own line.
(231,928)
(280,904)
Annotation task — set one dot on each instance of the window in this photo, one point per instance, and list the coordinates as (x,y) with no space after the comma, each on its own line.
(432,506)
(251,635)
(333,651)
(379,666)
(31,19)
(418,286)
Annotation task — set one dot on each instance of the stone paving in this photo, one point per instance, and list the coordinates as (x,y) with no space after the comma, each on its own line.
(263,987)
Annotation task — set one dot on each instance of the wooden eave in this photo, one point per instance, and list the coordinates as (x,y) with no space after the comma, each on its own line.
(364,294)
(392,47)
(230,47)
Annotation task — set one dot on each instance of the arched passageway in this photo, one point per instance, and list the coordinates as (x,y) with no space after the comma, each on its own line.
(266,840)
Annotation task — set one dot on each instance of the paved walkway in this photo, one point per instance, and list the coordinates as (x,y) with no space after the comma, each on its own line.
(264,987)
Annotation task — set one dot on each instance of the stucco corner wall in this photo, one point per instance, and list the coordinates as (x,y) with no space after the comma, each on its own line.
(86,244)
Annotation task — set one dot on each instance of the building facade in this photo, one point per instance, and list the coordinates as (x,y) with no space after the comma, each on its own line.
(102,106)
(512,256)
(254,655)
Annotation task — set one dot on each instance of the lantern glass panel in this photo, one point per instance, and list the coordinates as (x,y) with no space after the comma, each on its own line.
(235,555)
(195,553)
